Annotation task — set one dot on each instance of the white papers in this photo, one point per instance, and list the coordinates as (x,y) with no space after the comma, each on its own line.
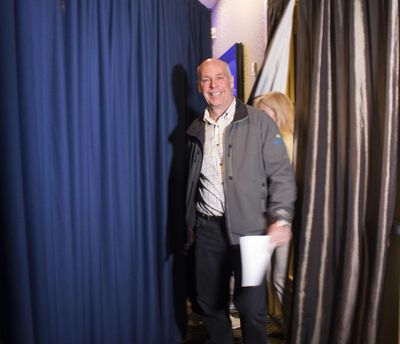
(256,254)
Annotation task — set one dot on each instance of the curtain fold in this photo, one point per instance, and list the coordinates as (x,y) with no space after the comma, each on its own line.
(277,57)
(87,108)
(347,143)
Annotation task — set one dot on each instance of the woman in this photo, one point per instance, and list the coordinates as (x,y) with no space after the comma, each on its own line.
(280,108)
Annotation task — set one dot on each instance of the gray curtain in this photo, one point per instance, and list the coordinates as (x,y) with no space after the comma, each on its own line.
(347,113)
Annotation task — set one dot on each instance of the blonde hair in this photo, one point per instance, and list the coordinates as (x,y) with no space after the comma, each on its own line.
(283,108)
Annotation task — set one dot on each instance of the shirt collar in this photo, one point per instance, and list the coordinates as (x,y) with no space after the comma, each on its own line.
(226,117)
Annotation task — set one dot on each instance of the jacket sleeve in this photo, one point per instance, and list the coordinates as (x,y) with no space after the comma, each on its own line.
(279,173)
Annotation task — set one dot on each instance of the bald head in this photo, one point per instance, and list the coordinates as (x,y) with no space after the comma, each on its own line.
(213,61)
(215,83)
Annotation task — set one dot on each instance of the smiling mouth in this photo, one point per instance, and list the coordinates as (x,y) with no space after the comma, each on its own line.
(214,94)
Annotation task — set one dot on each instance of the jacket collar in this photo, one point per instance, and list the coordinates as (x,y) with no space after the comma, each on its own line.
(196,129)
(241,110)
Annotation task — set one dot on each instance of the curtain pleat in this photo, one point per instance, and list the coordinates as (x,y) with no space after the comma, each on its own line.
(347,144)
(88,105)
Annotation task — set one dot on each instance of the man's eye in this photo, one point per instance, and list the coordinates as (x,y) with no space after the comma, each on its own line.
(205,80)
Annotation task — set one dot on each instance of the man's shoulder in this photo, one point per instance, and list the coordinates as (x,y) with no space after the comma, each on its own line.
(196,126)
(244,110)
(259,117)
(254,112)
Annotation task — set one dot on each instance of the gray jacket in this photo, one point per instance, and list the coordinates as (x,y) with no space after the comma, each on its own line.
(258,179)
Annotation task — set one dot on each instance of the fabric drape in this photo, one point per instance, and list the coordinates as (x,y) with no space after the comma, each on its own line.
(88,104)
(275,11)
(274,72)
(347,113)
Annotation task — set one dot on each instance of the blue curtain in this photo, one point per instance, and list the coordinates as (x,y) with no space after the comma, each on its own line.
(95,99)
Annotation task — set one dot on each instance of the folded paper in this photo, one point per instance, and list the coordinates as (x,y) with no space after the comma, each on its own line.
(255,252)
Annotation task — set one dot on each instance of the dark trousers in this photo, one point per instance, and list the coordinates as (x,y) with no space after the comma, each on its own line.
(216,260)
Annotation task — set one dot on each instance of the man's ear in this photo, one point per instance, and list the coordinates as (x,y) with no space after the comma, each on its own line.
(198,86)
(232,82)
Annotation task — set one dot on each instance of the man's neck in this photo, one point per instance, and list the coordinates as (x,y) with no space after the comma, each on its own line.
(217,113)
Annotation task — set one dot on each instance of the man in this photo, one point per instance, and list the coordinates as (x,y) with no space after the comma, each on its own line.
(240,182)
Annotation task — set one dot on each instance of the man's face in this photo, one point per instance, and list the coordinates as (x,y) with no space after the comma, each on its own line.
(216,85)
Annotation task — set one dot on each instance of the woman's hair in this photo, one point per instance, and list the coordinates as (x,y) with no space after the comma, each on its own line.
(283,108)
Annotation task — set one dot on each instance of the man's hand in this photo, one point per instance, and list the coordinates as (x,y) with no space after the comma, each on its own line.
(280,233)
